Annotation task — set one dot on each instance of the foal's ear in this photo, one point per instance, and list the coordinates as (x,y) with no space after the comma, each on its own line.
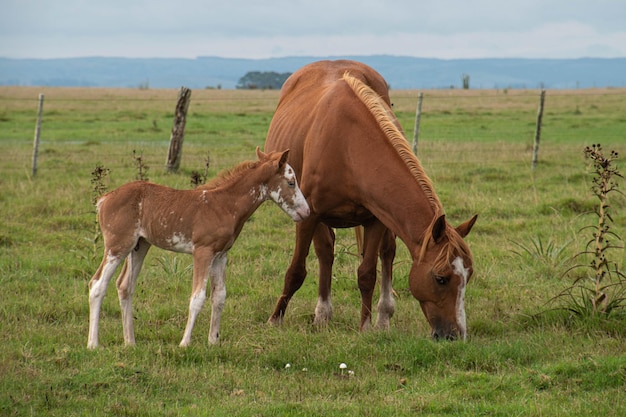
(260,154)
(439,228)
(464,229)
(283,159)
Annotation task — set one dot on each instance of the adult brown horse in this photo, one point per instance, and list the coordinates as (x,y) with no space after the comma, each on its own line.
(355,167)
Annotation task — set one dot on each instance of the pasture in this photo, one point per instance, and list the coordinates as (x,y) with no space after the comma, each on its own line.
(521,357)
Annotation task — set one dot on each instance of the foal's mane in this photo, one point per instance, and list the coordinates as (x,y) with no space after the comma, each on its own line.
(380,110)
(229,175)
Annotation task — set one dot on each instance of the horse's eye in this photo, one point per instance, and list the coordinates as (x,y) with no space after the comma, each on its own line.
(291,184)
(441,280)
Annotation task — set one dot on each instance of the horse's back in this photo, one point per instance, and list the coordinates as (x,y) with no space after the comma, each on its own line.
(315,78)
(314,104)
(131,201)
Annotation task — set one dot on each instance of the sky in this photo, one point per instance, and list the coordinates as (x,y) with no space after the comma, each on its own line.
(445,29)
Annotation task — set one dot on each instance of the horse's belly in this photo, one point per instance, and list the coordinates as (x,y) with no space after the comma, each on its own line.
(347,217)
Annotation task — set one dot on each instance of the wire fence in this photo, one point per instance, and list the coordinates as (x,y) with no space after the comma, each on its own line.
(453,123)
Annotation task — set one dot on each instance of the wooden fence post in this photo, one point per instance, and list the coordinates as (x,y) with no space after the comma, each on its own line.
(175,152)
(538,128)
(418,115)
(37,134)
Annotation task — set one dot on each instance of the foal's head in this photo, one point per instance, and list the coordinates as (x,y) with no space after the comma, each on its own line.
(282,187)
(439,277)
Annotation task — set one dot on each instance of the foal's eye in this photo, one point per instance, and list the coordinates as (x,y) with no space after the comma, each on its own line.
(291,184)
(441,280)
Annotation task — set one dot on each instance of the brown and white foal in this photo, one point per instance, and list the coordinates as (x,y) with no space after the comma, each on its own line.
(203,222)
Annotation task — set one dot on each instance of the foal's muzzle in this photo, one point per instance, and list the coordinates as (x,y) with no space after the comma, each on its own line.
(302,213)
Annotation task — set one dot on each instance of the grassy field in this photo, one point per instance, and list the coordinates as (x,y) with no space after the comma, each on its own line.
(520,358)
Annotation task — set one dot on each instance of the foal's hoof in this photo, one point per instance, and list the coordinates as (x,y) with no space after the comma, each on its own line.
(275,320)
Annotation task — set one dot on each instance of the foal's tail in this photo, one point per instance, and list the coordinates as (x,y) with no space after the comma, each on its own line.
(99,202)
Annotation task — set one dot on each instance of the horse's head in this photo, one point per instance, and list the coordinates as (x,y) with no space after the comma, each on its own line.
(439,275)
(282,186)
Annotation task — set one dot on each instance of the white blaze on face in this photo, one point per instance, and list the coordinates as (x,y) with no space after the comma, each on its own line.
(459,269)
(297,208)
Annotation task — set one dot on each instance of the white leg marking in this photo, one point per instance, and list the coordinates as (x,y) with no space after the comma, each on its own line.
(323,311)
(96,295)
(386,303)
(125,294)
(217,273)
(127,321)
(460,270)
(195,305)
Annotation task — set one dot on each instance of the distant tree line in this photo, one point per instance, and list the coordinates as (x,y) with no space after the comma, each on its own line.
(268,80)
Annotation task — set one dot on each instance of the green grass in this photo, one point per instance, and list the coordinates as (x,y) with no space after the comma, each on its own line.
(475,145)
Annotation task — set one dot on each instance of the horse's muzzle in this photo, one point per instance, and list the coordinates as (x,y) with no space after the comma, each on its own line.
(450,335)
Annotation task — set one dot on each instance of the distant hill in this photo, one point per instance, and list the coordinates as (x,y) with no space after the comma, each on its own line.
(400,72)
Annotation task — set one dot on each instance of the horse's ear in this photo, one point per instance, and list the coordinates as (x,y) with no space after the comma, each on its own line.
(260,154)
(439,228)
(464,229)
(283,159)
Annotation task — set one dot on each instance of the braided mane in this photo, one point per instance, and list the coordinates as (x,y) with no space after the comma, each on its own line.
(381,112)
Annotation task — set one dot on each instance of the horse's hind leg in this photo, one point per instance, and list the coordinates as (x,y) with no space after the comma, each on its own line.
(217,273)
(203,259)
(324,243)
(126,287)
(367,270)
(386,302)
(97,290)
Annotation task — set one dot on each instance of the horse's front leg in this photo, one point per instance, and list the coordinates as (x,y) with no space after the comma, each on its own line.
(294,277)
(386,302)
(366,273)
(202,260)
(324,243)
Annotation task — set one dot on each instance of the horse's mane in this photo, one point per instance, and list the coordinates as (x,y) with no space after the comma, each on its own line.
(455,246)
(380,110)
(229,174)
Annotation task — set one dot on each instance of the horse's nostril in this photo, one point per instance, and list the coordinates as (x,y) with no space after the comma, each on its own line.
(445,336)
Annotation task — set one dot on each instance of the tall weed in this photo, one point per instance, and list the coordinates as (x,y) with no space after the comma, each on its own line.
(599,287)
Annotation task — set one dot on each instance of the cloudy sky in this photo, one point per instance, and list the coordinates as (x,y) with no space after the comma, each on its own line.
(275,28)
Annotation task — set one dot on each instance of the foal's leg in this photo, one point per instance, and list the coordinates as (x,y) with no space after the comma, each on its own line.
(367,270)
(324,243)
(386,302)
(294,277)
(126,287)
(97,290)
(202,260)
(217,273)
